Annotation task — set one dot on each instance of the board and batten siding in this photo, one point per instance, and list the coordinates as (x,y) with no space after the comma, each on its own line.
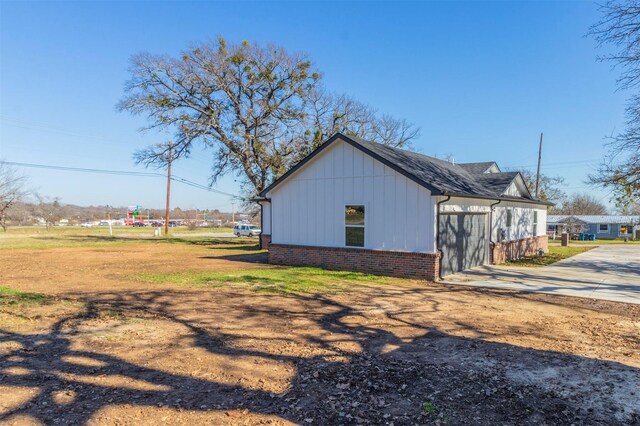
(308,208)
(521,221)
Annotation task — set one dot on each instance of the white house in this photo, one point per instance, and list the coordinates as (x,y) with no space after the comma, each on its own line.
(357,205)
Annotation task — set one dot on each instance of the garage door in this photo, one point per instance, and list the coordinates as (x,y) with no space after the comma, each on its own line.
(463,241)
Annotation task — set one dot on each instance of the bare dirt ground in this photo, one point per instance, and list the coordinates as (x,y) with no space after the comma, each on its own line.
(110,349)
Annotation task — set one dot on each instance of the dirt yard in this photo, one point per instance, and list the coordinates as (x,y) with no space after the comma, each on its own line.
(107,346)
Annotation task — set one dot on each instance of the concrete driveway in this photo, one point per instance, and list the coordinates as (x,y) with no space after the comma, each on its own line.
(610,272)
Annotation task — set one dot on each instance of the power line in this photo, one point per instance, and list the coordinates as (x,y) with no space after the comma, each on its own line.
(562,163)
(122,173)
(80,169)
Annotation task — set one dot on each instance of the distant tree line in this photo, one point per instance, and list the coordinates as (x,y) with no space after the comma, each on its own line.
(550,189)
(49,211)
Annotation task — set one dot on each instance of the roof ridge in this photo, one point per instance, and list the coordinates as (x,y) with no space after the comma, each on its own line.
(441,177)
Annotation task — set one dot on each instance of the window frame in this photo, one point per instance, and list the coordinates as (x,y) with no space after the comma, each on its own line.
(509,218)
(600,231)
(535,223)
(363,226)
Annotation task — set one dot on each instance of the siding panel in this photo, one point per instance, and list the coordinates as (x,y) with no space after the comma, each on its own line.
(308,208)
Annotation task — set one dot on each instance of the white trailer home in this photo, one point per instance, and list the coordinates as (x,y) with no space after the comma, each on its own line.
(358,205)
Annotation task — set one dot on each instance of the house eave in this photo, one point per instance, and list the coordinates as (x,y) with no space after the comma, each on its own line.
(499,198)
(347,139)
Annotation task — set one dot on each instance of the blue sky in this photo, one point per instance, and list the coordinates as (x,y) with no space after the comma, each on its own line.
(481,80)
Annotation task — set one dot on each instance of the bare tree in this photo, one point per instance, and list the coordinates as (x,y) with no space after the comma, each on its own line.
(620,27)
(239,99)
(328,113)
(12,189)
(630,208)
(583,204)
(550,187)
(50,210)
(260,109)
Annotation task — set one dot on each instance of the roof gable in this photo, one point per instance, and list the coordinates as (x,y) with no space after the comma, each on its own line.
(480,168)
(438,176)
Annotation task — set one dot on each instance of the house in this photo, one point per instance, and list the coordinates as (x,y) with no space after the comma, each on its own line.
(361,206)
(602,226)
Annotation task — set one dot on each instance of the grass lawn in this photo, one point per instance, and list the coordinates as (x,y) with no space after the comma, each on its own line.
(596,242)
(10,296)
(272,280)
(103,230)
(556,253)
(35,238)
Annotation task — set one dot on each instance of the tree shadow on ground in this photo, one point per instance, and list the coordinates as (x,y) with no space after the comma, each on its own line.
(262,257)
(357,371)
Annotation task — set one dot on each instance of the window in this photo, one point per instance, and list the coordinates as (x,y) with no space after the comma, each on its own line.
(603,228)
(509,218)
(535,223)
(624,229)
(354,226)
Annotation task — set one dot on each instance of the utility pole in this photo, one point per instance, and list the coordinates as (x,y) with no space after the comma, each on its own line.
(166,211)
(539,160)
(233,213)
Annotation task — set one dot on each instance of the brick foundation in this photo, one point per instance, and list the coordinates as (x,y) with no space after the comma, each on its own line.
(511,250)
(265,240)
(394,263)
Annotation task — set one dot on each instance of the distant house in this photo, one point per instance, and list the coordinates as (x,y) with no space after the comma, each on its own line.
(602,226)
(361,206)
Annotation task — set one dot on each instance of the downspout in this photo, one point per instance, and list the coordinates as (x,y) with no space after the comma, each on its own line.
(261,225)
(267,200)
(438,233)
(491,220)
(491,242)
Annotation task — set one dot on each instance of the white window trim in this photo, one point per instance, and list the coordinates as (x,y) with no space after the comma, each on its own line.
(601,231)
(366,209)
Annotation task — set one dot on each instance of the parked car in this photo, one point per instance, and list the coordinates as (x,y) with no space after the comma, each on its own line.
(157,224)
(103,223)
(86,225)
(246,230)
(174,223)
(139,224)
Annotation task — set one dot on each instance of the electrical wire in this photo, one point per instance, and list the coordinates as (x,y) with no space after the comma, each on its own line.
(123,173)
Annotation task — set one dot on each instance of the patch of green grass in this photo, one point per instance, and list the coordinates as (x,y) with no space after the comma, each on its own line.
(429,408)
(273,280)
(597,242)
(78,239)
(556,253)
(104,230)
(11,296)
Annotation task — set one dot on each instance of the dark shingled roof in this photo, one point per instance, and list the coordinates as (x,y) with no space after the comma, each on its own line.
(496,182)
(477,168)
(439,176)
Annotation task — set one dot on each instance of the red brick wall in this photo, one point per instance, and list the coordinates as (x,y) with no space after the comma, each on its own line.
(394,263)
(265,240)
(511,250)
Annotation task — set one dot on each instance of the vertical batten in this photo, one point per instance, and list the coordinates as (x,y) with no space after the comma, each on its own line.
(308,208)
